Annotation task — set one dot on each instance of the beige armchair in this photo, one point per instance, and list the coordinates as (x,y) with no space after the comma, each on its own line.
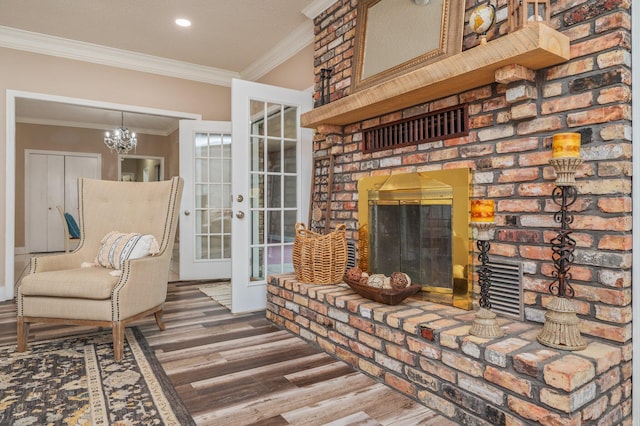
(67,289)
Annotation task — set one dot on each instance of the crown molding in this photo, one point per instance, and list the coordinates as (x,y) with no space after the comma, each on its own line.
(316,8)
(297,40)
(71,49)
(92,126)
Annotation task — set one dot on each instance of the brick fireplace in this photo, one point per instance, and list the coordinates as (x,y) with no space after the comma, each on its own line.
(423,348)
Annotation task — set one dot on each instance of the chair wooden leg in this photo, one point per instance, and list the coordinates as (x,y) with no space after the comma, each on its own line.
(118,340)
(159,319)
(23,334)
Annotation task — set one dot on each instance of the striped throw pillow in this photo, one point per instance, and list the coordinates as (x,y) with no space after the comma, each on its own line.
(117,247)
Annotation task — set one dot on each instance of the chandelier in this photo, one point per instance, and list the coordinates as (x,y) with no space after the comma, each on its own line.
(122,140)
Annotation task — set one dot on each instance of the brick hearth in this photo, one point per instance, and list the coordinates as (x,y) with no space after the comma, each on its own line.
(424,350)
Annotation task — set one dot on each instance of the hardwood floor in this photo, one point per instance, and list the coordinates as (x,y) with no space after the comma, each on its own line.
(242,370)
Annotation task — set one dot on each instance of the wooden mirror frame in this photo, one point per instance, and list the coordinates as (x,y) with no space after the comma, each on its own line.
(451,28)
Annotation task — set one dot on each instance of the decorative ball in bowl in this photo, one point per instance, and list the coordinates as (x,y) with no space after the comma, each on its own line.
(380,288)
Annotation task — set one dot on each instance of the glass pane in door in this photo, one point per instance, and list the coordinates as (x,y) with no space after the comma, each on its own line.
(213,196)
(273,179)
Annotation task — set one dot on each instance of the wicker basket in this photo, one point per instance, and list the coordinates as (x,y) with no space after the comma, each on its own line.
(320,259)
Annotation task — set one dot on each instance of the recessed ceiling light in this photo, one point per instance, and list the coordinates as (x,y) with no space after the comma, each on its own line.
(183,22)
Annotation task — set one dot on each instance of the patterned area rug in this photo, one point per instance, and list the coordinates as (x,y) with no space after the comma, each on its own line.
(220,292)
(75,381)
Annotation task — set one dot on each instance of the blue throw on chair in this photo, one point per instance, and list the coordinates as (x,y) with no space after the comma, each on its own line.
(74,230)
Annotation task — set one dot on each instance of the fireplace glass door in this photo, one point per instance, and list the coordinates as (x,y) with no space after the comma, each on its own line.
(414,238)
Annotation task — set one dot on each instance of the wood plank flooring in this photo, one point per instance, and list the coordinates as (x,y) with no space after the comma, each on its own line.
(242,370)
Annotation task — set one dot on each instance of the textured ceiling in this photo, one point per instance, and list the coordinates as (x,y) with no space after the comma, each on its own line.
(226,34)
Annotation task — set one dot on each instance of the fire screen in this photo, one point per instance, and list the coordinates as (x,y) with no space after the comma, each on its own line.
(414,239)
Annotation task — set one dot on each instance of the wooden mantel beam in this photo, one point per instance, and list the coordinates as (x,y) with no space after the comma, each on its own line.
(535,46)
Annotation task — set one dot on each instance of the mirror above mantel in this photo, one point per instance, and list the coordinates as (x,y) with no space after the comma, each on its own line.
(535,47)
(427,31)
(140,168)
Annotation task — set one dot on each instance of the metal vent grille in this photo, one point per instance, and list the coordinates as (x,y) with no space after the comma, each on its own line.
(351,255)
(505,292)
(437,125)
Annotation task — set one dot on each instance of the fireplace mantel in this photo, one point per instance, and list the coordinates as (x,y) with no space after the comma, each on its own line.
(535,46)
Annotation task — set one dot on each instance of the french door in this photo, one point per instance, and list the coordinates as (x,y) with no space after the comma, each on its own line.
(205,217)
(270,185)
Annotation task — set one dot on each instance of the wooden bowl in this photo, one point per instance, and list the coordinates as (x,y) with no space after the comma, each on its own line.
(388,296)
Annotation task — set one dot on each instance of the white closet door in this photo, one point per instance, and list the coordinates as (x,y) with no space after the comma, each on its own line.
(75,168)
(52,180)
(46,191)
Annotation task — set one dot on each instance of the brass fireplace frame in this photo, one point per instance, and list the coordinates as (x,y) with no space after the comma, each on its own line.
(459,180)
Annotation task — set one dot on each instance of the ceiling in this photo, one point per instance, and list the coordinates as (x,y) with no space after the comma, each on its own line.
(228,39)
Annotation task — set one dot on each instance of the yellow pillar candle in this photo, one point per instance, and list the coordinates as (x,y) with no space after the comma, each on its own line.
(483,210)
(566,145)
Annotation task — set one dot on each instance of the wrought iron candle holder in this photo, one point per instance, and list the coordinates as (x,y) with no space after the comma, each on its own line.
(561,328)
(484,324)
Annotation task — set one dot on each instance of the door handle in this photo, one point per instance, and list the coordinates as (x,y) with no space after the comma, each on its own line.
(240,198)
(240,214)
(187,212)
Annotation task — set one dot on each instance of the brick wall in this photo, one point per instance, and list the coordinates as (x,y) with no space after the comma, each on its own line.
(508,149)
